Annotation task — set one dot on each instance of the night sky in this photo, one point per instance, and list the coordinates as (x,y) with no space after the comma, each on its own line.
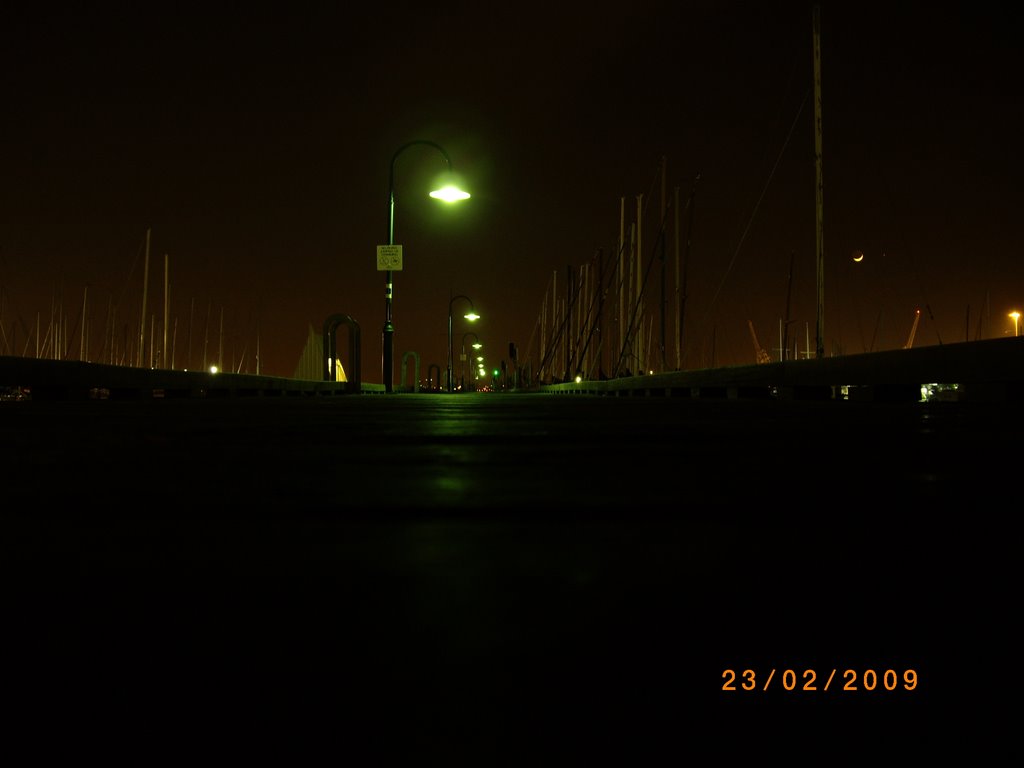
(255,143)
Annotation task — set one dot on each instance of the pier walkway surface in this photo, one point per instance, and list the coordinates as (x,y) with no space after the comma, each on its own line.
(506,579)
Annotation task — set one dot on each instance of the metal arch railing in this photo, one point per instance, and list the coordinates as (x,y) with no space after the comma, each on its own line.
(330,340)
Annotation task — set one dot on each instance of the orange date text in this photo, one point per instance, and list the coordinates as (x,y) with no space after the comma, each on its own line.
(836,679)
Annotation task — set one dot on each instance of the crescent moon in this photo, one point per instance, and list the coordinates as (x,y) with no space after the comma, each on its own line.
(858,256)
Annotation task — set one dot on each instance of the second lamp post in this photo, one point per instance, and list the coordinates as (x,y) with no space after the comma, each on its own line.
(471,316)
(462,357)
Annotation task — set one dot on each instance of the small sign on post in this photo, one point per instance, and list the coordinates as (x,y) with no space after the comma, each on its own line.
(389,257)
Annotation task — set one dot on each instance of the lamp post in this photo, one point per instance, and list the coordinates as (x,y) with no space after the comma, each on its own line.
(1016,321)
(471,316)
(476,345)
(448,194)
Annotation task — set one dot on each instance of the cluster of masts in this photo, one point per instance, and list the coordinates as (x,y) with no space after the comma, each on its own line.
(121,345)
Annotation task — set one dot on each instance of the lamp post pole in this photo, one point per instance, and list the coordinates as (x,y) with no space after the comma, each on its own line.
(389,326)
(476,345)
(1016,320)
(471,316)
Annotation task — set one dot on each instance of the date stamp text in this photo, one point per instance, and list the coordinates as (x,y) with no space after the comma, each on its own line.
(836,679)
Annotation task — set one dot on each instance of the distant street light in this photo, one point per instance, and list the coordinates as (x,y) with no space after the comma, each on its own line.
(462,358)
(1016,324)
(449,194)
(471,316)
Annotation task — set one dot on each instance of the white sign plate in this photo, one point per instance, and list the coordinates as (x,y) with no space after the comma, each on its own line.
(389,257)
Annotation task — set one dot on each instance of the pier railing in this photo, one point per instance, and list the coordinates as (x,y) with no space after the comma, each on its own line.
(988,370)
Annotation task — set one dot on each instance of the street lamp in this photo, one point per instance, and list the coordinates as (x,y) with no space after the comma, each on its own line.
(449,194)
(471,316)
(1016,325)
(476,345)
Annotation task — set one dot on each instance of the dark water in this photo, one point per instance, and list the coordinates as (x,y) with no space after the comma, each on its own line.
(507,580)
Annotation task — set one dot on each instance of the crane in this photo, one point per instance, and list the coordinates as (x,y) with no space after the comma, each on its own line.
(762,356)
(913,330)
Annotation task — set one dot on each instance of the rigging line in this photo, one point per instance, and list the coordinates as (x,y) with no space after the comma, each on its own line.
(612,258)
(577,346)
(659,246)
(609,260)
(571,344)
(537,324)
(556,337)
(591,320)
(889,190)
(632,326)
(533,336)
(920,283)
(135,263)
(615,254)
(757,205)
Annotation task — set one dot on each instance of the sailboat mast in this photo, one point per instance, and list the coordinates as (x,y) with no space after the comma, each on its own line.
(686,262)
(167,269)
(81,345)
(638,329)
(622,280)
(662,238)
(220,345)
(142,321)
(819,190)
(678,309)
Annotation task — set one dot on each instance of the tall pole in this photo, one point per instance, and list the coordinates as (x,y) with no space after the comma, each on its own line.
(639,332)
(81,348)
(167,269)
(220,343)
(543,335)
(819,189)
(462,374)
(389,326)
(206,336)
(784,343)
(448,381)
(555,335)
(686,262)
(567,322)
(111,336)
(622,276)
(661,243)
(678,307)
(142,321)
(601,340)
